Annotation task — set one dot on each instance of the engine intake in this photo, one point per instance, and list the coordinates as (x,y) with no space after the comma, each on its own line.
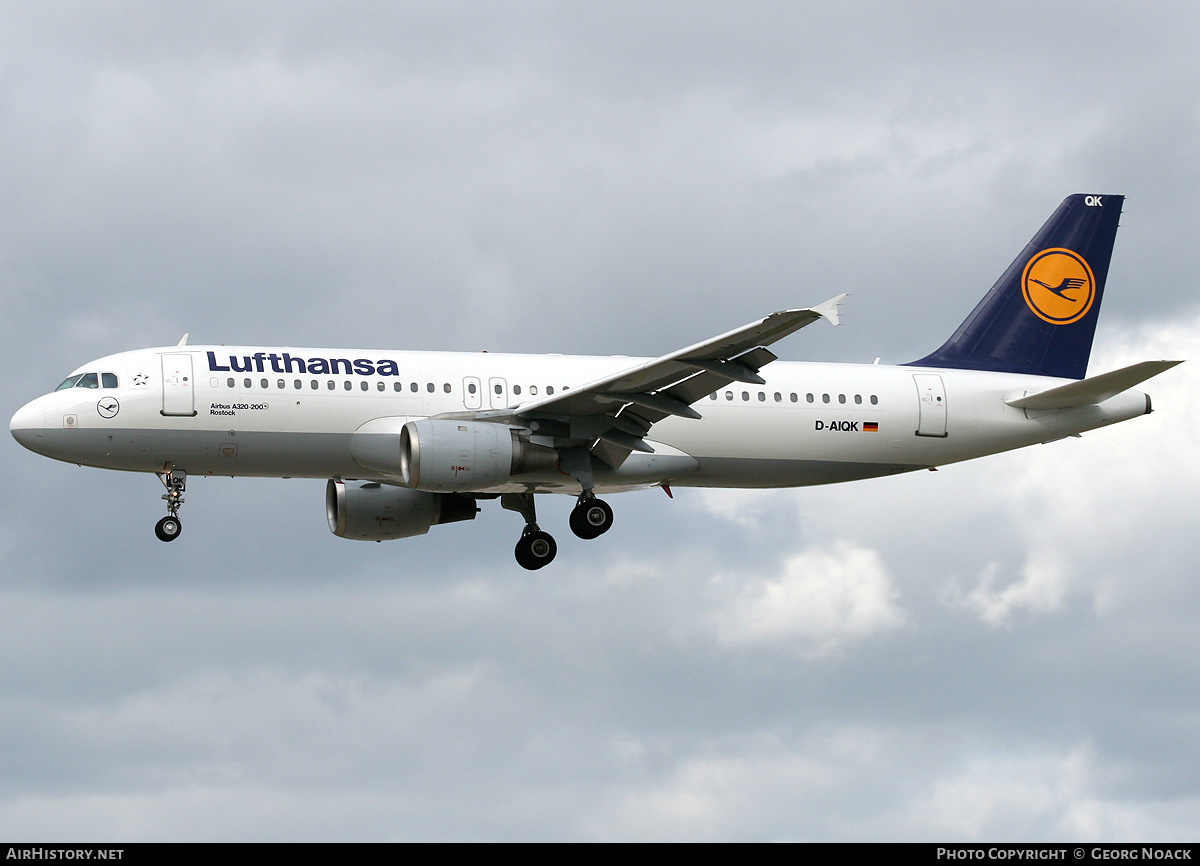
(380,512)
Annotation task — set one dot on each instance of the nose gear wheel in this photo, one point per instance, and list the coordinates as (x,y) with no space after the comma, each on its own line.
(168,528)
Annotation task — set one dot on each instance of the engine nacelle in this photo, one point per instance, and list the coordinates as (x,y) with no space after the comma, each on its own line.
(380,512)
(467,455)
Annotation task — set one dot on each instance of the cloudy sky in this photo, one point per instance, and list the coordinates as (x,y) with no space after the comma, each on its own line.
(1004,649)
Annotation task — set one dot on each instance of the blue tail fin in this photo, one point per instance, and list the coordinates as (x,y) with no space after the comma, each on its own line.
(1040,316)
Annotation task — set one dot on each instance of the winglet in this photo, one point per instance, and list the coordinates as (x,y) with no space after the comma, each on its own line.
(829,309)
(183,341)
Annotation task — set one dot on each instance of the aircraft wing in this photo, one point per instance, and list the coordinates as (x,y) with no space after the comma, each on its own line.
(616,412)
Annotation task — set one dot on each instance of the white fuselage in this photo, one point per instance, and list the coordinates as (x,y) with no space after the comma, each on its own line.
(250,411)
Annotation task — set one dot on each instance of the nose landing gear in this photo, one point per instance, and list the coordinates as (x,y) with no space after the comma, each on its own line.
(169,527)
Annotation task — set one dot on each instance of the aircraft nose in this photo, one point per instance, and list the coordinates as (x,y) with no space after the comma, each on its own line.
(28,425)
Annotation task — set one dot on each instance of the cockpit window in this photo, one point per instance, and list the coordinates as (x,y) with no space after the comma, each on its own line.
(108,380)
(88,380)
(68,382)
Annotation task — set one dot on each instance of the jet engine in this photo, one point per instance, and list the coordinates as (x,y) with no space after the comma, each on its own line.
(443,455)
(380,512)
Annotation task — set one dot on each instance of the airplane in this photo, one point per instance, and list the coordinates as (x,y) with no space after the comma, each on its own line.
(412,440)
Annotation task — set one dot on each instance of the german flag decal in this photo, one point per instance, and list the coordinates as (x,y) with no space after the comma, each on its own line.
(870,427)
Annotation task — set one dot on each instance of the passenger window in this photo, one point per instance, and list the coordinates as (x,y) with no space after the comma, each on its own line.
(874,400)
(446,387)
(347,384)
(396,386)
(533,390)
(728,395)
(229,382)
(331,385)
(381,386)
(794,398)
(762,396)
(429,387)
(499,390)
(550,390)
(365,385)
(824,398)
(298,384)
(471,388)
(858,399)
(516,389)
(713,395)
(282,384)
(87,380)
(108,380)
(246,383)
(778,397)
(841,398)
(745,395)
(314,384)
(264,384)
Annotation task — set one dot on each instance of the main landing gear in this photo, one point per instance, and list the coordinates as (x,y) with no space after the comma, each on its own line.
(591,517)
(536,549)
(169,527)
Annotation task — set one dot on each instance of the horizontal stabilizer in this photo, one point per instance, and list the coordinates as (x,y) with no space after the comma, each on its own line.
(1097,389)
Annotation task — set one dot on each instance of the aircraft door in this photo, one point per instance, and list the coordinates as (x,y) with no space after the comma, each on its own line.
(931,400)
(178,396)
(498,393)
(472,393)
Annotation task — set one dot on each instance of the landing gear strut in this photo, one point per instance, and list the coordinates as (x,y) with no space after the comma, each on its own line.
(169,527)
(591,517)
(536,548)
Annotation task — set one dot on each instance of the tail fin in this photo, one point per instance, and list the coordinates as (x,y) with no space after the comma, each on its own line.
(1040,316)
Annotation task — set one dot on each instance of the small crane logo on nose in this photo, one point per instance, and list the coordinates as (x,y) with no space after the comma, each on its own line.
(108,407)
